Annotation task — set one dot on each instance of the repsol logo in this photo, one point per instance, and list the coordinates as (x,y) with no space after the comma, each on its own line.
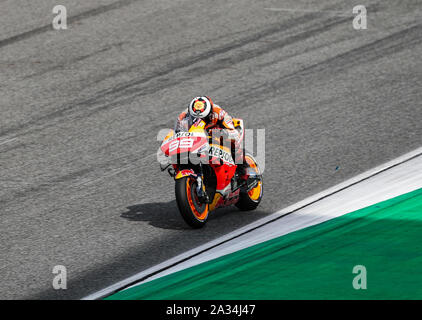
(220,153)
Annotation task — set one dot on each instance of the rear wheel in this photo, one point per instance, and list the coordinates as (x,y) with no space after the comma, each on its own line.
(192,210)
(250,199)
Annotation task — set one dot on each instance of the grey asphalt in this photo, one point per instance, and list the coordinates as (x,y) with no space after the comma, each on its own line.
(81,109)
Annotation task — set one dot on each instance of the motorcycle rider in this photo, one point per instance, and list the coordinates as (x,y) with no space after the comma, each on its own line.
(215,117)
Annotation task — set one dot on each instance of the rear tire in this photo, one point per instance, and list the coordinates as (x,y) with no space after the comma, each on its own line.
(193,212)
(250,200)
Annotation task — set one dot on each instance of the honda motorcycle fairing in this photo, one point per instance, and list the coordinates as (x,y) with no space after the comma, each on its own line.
(206,174)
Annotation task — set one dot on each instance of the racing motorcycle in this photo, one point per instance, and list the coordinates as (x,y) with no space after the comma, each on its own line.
(206,174)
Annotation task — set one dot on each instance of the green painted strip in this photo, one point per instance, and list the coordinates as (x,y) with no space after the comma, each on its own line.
(313,263)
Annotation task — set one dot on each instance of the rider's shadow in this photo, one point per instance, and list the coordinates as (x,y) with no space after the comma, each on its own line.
(163,215)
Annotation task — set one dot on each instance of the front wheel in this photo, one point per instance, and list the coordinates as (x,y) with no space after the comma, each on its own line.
(192,210)
(250,199)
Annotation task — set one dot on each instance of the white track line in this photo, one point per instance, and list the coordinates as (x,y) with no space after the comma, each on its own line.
(412,15)
(150,272)
(8,141)
(336,13)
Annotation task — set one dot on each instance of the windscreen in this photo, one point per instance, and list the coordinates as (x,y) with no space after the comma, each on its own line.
(183,125)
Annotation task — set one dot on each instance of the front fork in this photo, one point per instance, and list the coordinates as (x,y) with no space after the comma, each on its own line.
(200,186)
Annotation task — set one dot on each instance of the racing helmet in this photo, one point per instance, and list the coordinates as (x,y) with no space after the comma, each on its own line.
(200,107)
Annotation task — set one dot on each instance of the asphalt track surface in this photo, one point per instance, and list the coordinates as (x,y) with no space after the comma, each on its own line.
(81,108)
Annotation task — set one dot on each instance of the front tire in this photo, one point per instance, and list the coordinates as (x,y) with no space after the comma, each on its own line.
(192,210)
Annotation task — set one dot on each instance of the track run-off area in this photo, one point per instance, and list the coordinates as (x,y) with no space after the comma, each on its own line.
(373,218)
